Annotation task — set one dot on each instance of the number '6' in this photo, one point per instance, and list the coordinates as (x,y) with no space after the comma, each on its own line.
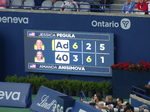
(89,59)
(75,46)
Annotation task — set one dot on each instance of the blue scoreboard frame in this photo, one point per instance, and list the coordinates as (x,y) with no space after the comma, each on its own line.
(67,52)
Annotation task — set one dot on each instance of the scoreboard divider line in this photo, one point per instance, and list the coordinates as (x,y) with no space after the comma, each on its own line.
(95,54)
(82,51)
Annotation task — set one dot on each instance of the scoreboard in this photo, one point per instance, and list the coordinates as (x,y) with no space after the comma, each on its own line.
(67,52)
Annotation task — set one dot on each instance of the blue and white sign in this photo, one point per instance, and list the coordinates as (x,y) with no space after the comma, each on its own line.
(46,100)
(15,94)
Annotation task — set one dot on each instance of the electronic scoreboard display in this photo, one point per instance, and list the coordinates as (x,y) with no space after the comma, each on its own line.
(67,52)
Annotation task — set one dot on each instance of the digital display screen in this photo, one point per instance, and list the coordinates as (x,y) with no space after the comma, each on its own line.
(67,52)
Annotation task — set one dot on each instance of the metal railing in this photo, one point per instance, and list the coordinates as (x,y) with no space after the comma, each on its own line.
(91,9)
(139,92)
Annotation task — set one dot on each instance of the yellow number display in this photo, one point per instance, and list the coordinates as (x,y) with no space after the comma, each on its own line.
(75,46)
(89,59)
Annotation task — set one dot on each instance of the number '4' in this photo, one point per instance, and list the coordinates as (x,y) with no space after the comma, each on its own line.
(58,57)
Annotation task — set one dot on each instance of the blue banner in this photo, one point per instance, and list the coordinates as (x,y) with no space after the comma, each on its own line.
(129,43)
(46,100)
(15,94)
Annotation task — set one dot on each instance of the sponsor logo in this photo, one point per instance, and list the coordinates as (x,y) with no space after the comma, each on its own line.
(51,106)
(10,95)
(104,24)
(125,24)
(15,20)
(47,105)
